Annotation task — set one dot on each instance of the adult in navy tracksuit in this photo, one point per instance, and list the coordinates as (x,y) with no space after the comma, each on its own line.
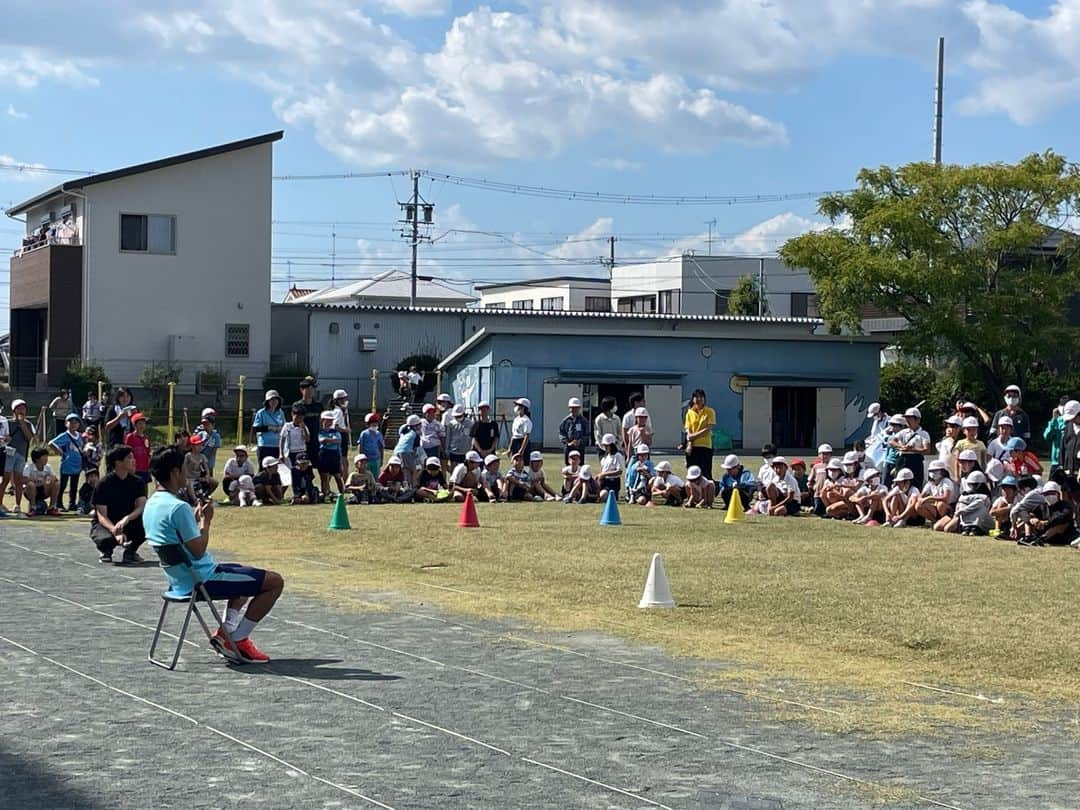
(574,430)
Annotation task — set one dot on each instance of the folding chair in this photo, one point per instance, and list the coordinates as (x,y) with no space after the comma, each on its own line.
(169,556)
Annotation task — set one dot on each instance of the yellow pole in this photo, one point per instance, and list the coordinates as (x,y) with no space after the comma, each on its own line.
(240,411)
(438,382)
(374,389)
(100,389)
(169,430)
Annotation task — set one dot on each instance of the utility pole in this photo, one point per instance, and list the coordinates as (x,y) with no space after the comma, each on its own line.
(712,224)
(414,208)
(611,253)
(938,91)
(760,287)
(333,255)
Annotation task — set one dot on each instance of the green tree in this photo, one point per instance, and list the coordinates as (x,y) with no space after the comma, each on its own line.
(743,299)
(971,256)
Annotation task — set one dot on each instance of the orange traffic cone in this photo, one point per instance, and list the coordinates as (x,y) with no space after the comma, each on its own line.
(468,518)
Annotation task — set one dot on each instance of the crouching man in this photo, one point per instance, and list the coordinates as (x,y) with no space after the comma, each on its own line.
(169,520)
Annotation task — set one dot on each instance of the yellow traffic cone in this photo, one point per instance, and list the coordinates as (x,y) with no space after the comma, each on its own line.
(735,510)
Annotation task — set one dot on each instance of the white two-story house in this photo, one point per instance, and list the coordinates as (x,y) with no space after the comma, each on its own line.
(161,262)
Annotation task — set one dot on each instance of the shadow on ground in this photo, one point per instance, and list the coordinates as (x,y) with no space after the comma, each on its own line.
(316,669)
(26,783)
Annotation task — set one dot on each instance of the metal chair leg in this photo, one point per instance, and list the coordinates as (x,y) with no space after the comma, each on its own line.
(157,633)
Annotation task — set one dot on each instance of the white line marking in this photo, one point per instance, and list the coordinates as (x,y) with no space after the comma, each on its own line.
(317,562)
(447,588)
(979,696)
(453,733)
(195,722)
(594,782)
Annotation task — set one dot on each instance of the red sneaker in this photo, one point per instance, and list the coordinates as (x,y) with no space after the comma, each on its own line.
(54,512)
(251,654)
(224,646)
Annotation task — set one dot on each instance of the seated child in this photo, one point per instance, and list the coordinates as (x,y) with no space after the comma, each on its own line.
(245,491)
(392,481)
(465,477)
(540,488)
(700,491)
(781,491)
(737,478)
(40,484)
(197,472)
(999,509)
(570,473)
(86,491)
(431,485)
(667,488)
(639,476)
(837,488)
(586,489)
(798,469)
(268,488)
(236,466)
(518,484)
(899,499)
(303,480)
(491,480)
(1029,507)
(361,484)
(612,465)
(870,497)
(1057,528)
(973,507)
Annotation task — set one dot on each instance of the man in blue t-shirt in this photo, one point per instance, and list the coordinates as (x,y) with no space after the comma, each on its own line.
(169,520)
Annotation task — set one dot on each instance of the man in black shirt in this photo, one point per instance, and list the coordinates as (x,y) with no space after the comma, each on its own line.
(311,408)
(118,504)
(485,431)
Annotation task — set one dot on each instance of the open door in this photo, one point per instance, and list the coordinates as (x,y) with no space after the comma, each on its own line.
(556,395)
(665,409)
(756,417)
(830,416)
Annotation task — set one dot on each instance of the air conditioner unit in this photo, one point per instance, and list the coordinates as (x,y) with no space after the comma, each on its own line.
(367,344)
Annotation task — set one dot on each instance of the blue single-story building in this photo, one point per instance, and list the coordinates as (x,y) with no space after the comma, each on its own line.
(769,379)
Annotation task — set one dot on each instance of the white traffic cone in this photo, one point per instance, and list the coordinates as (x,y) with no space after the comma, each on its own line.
(657,592)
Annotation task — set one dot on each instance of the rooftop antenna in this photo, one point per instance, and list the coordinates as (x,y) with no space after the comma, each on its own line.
(937,99)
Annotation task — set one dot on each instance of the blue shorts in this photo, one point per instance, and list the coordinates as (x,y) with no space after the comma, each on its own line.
(232,580)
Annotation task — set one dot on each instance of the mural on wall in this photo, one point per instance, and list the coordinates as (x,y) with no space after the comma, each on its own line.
(854,417)
(466,386)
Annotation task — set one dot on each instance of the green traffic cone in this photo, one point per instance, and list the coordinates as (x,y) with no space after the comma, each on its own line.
(339,518)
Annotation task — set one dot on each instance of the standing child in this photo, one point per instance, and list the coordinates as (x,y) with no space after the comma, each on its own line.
(573,430)
(432,433)
(91,450)
(210,436)
(970,442)
(458,435)
(485,432)
(69,445)
(372,445)
(294,437)
(407,446)
(639,432)
(606,423)
(91,409)
(329,455)
(139,442)
(340,407)
(521,429)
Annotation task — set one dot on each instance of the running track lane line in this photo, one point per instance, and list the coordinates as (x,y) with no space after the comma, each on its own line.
(353,698)
(194,722)
(600,707)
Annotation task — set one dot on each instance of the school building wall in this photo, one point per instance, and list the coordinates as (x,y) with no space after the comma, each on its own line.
(504,366)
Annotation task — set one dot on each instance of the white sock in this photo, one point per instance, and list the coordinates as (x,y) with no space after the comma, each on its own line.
(243,629)
(232,619)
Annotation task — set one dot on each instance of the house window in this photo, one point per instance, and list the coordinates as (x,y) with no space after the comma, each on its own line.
(722,301)
(638,303)
(498,305)
(597,303)
(555,302)
(524,304)
(237,339)
(147,233)
(669,301)
(804,305)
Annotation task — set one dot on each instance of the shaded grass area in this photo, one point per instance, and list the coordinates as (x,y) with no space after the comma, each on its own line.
(839,618)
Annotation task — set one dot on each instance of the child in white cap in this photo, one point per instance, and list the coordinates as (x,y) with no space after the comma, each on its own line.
(899,498)
(245,491)
(869,498)
(782,491)
(491,480)
(540,487)
(639,476)
(700,491)
(586,490)
(431,485)
(361,484)
(736,478)
(612,465)
(667,488)
(570,473)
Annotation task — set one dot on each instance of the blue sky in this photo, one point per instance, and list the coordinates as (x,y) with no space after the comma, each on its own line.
(605,95)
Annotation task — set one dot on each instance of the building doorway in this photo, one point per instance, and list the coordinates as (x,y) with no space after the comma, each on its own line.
(794,417)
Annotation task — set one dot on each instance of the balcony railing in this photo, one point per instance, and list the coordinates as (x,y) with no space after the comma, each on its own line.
(46,241)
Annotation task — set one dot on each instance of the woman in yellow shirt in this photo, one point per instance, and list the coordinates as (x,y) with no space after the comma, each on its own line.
(699,423)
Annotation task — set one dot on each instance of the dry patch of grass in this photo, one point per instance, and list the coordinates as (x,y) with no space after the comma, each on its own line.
(808,615)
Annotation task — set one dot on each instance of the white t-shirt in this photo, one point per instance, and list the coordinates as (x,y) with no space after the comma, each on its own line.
(35,476)
(521,425)
(293,439)
(3,430)
(459,473)
(996,449)
(765,474)
(414,378)
(341,419)
(904,496)
(671,481)
(234,470)
(612,462)
(945,488)
(866,489)
(628,421)
(787,484)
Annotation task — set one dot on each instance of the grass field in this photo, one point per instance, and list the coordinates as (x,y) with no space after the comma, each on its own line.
(839,617)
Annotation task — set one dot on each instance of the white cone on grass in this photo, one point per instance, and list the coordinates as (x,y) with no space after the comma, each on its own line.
(657,591)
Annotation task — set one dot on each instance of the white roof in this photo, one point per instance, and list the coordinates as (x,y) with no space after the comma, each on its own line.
(396,284)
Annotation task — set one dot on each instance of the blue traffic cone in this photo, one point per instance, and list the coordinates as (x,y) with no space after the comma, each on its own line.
(611,511)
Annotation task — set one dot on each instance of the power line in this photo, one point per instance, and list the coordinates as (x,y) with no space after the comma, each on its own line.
(30,168)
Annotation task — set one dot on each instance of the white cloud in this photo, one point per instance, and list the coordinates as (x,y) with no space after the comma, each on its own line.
(13,113)
(26,68)
(588,243)
(416,8)
(617,164)
(768,236)
(25,171)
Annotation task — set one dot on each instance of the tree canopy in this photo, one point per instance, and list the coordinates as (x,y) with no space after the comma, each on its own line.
(975,258)
(743,299)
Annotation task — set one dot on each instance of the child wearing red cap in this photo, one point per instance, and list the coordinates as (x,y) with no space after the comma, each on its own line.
(139,442)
